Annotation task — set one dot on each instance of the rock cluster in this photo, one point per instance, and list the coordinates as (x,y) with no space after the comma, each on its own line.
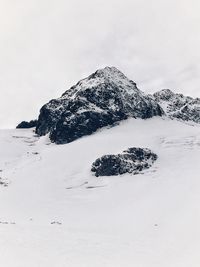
(27,124)
(133,160)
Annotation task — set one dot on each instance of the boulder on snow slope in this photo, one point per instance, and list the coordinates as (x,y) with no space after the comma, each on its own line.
(133,160)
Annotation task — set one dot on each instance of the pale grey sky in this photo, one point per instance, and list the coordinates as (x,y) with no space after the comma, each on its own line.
(48,45)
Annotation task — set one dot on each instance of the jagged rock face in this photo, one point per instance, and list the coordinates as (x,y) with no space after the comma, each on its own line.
(133,160)
(27,124)
(104,98)
(179,106)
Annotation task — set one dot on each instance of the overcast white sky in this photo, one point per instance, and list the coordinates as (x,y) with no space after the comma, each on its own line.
(48,45)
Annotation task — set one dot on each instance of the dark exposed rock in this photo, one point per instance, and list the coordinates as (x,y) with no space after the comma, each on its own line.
(26,124)
(178,106)
(104,98)
(133,160)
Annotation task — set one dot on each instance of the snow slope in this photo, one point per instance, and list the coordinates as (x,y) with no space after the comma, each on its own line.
(55,213)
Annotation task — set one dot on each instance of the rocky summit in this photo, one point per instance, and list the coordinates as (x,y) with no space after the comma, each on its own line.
(102,99)
(178,106)
(133,160)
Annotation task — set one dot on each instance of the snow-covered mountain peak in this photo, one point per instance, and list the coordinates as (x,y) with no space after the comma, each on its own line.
(105,97)
(167,94)
(164,94)
(105,78)
(178,106)
(109,73)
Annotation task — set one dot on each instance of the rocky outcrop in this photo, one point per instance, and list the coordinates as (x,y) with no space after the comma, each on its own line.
(133,160)
(178,106)
(27,124)
(104,98)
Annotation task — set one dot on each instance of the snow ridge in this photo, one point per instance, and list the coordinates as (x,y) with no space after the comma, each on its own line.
(178,106)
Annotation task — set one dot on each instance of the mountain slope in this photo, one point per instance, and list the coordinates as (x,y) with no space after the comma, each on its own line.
(54,212)
(104,98)
(178,106)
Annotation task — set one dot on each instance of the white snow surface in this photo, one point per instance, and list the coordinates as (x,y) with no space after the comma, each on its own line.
(55,213)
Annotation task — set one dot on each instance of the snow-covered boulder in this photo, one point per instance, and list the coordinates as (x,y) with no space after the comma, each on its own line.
(179,106)
(104,98)
(133,160)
